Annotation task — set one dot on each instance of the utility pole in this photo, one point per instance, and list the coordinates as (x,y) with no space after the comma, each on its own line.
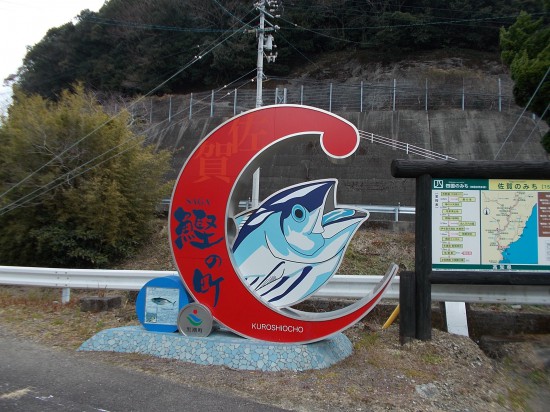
(265,43)
(260,61)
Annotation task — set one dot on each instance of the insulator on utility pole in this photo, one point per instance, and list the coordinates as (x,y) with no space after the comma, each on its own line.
(268,42)
(271,57)
(260,60)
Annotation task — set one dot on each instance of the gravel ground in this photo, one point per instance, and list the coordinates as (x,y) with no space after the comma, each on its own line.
(448,373)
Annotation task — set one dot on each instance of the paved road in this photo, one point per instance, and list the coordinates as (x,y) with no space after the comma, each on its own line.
(38,378)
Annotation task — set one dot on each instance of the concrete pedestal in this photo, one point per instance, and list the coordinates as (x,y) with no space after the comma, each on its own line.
(222,348)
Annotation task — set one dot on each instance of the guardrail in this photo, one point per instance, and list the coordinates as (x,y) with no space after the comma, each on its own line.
(393,210)
(339,287)
(164,206)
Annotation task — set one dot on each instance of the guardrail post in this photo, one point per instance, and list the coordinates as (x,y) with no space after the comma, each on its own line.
(65,295)
(407,313)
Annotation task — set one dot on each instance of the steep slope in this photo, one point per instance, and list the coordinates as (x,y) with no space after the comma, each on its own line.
(479,132)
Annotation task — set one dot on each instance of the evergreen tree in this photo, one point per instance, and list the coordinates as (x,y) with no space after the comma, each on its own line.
(525,48)
(132,46)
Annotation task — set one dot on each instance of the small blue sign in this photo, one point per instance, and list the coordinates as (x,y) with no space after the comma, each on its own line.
(159,302)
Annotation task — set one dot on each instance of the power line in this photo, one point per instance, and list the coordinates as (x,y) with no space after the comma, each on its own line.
(229,13)
(532,130)
(58,156)
(23,200)
(523,111)
(143,26)
(393,26)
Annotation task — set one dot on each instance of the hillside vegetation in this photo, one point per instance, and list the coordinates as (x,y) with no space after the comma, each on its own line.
(131,47)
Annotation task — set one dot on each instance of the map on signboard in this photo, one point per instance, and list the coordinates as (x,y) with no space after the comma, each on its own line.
(509,222)
(491,224)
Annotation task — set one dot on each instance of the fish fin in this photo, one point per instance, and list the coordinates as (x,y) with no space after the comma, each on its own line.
(296,282)
(276,274)
(242,217)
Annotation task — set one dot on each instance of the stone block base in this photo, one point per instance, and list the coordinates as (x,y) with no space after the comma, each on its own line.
(223,348)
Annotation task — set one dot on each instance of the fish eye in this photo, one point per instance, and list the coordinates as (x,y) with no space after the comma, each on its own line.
(298,213)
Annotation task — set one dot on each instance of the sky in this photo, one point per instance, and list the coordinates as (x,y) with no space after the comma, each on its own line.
(24,23)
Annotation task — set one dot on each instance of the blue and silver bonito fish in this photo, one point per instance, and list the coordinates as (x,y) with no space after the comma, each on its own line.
(294,242)
(162,301)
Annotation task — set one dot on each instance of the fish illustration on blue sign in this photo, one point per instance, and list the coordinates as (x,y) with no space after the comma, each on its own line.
(293,243)
(162,301)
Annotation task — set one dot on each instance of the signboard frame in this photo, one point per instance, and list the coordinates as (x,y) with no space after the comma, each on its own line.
(424,171)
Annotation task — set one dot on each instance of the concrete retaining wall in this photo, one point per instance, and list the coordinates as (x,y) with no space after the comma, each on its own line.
(366,178)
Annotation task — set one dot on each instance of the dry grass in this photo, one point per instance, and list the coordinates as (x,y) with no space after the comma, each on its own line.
(37,313)
(370,252)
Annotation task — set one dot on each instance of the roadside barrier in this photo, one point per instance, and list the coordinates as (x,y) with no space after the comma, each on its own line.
(339,287)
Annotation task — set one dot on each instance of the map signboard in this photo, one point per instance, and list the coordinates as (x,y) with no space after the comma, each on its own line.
(491,224)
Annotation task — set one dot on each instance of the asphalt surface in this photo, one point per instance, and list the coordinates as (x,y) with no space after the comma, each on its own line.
(38,378)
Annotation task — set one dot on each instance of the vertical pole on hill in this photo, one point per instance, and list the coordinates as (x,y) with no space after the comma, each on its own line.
(190,106)
(463,94)
(499,96)
(170,109)
(330,98)
(361,98)
(394,86)
(426,99)
(302,94)
(235,103)
(212,104)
